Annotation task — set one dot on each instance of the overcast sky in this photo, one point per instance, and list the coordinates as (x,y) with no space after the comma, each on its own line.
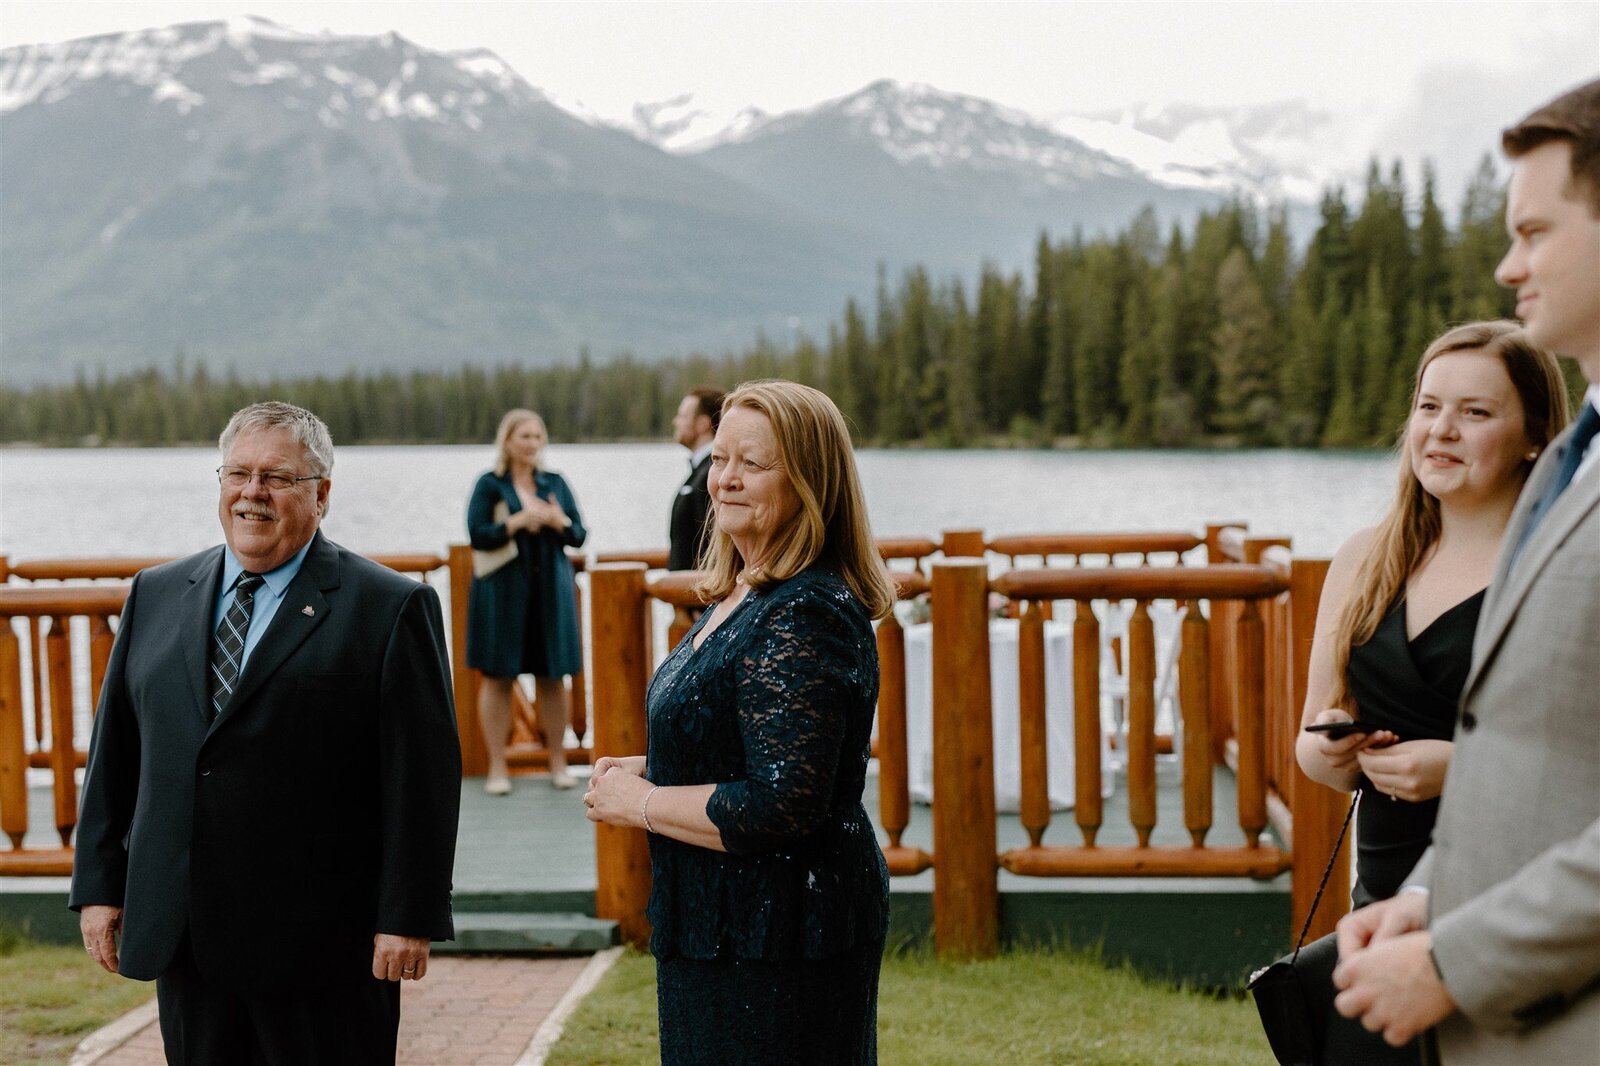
(1404,78)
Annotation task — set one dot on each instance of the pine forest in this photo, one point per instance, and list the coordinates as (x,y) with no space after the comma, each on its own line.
(1218,335)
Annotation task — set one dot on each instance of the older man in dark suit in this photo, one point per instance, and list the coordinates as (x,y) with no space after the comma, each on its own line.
(269,814)
(693,426)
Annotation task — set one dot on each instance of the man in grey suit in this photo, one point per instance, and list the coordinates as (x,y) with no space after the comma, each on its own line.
(1496,937)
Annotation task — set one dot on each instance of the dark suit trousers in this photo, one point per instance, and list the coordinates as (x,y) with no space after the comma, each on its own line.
(216,1023)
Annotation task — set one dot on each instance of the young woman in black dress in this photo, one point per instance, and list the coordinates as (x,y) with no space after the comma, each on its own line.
(770,896)
(1400,605)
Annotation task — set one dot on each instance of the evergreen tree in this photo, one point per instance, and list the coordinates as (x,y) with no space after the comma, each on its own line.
(1303,379)
(1243,351)
(1344,427)
(1377,356)
(962,402)
(1479,248)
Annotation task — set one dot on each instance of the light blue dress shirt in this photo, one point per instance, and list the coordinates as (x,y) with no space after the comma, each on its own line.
(268,597)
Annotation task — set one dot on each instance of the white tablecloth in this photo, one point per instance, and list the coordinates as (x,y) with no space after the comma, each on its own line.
(1005,699)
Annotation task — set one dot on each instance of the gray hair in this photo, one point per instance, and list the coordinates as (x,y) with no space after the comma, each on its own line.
(308,431)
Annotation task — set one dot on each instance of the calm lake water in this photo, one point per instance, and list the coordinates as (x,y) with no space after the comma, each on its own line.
(56,502)
(109,502)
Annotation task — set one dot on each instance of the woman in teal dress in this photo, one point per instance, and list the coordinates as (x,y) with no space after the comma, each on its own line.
(523,617)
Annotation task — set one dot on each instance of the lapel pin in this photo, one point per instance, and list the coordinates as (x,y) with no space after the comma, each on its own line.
(308,610)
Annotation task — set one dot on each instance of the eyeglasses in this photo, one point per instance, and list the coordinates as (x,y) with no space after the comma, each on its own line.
(235,477)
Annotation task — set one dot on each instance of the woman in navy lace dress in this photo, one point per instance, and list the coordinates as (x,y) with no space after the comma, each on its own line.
(1399,607)
(770,896)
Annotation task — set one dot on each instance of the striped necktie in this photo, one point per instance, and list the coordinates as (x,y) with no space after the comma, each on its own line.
(227,650)
(1583,433)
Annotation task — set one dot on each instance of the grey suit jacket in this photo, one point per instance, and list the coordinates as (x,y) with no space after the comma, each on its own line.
(1514,871)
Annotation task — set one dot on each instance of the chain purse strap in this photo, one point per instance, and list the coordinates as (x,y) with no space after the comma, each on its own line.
(1327,872)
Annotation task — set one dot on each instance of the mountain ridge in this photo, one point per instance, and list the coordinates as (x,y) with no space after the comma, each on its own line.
(304,202)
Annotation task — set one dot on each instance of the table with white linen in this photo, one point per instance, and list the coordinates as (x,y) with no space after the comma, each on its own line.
(1005,700)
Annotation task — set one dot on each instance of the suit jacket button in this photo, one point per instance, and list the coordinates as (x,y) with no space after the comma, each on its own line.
(206,772)
(1469,721)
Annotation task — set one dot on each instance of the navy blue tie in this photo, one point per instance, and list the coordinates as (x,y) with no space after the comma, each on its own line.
(1583,432)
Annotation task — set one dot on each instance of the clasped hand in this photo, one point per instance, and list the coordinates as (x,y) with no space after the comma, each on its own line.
(1385,974)
(539,514)
(616,791)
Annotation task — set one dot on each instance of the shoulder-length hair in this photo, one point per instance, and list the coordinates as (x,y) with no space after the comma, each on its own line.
(831,527)
(508,425)
(1411,527)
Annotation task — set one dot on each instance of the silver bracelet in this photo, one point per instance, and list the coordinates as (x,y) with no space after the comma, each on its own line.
(644,809)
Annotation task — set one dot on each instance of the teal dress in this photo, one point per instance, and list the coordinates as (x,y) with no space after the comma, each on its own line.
(523,618)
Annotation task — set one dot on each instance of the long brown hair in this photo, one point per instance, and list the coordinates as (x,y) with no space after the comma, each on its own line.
(1411,526)
(831,527)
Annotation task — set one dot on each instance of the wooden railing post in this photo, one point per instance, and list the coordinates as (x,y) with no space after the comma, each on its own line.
(13,751)
(965,891)
(1088,808)
(1316,810)
(1249,725)
(58,649)
(1194,702)
(617,620)
(474,756)
(1032,727)
(1141,722)
(962,544)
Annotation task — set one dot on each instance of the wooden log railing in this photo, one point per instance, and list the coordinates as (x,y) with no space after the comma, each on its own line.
(47,615)
(526,748)
(1241,683)
(1188,586)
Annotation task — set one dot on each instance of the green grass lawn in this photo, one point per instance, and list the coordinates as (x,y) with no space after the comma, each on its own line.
(1025,1007)
(52,996)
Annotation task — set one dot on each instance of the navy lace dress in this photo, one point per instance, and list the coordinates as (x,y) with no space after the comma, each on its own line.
(769,952)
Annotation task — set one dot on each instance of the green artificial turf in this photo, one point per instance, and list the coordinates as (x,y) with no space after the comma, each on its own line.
(1024,1007)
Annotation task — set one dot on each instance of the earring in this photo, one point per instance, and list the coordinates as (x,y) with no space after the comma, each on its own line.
(1531,456)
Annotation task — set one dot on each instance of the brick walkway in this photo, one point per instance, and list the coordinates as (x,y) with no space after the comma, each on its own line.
(468,1011)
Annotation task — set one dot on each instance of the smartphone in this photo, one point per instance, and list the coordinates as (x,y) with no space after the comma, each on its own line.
(1340,730)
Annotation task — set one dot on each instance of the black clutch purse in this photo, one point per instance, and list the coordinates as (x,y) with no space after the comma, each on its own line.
(1291,994)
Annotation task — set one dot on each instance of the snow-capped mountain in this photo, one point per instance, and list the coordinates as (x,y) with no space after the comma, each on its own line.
(901,161)
(285,201)
(339,79)
(1264,152)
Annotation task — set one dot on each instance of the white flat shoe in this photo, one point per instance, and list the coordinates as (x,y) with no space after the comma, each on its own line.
(498,786)
(563,780)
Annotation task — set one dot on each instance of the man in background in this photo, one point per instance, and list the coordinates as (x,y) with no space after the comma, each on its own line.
(693,426)
(269,812)
(1496,937)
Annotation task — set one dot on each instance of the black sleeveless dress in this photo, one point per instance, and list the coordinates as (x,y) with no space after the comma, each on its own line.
(1410,687)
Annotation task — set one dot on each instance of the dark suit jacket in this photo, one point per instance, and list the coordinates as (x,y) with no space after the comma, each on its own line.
(687,534)
(320,806)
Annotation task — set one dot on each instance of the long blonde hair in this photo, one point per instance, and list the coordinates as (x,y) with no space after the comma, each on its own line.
(1411,526)
(831,527)
(508,425)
